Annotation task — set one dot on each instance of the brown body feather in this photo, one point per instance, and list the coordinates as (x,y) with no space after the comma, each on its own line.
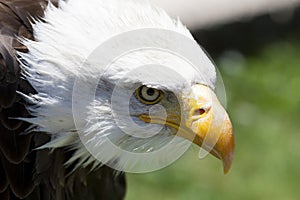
(26,173)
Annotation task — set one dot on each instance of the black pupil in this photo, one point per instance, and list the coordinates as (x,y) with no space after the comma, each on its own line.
(150,91)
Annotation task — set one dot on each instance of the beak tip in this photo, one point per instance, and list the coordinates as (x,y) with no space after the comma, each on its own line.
(226,169)
(227,162)
(228,152)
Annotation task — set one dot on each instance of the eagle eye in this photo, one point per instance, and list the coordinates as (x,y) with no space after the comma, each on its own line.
(148,95)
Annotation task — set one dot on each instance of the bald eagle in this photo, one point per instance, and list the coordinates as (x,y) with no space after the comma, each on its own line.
(92,89)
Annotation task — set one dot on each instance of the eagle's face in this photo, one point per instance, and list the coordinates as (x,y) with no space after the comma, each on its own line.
(141,104)
(145,107)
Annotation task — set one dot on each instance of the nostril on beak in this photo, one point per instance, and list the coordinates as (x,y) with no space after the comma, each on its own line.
(199,112)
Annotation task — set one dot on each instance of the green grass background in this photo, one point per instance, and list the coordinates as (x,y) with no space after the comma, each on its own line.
(263,97)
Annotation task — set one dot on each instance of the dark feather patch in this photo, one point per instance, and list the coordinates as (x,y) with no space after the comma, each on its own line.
(5,195)
(8,94)
(7,116)
(14,146)
(20,178)
(3,178)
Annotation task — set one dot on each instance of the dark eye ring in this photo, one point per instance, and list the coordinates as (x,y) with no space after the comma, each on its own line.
(148,95)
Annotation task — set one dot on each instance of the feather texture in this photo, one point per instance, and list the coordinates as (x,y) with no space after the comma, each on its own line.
(26,173)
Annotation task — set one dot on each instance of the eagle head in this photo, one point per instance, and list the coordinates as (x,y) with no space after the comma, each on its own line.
(123,84)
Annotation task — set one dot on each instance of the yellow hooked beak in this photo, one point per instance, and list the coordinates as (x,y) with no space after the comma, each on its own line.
(206,124)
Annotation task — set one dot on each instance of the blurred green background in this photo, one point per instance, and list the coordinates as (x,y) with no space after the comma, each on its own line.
(263,94)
